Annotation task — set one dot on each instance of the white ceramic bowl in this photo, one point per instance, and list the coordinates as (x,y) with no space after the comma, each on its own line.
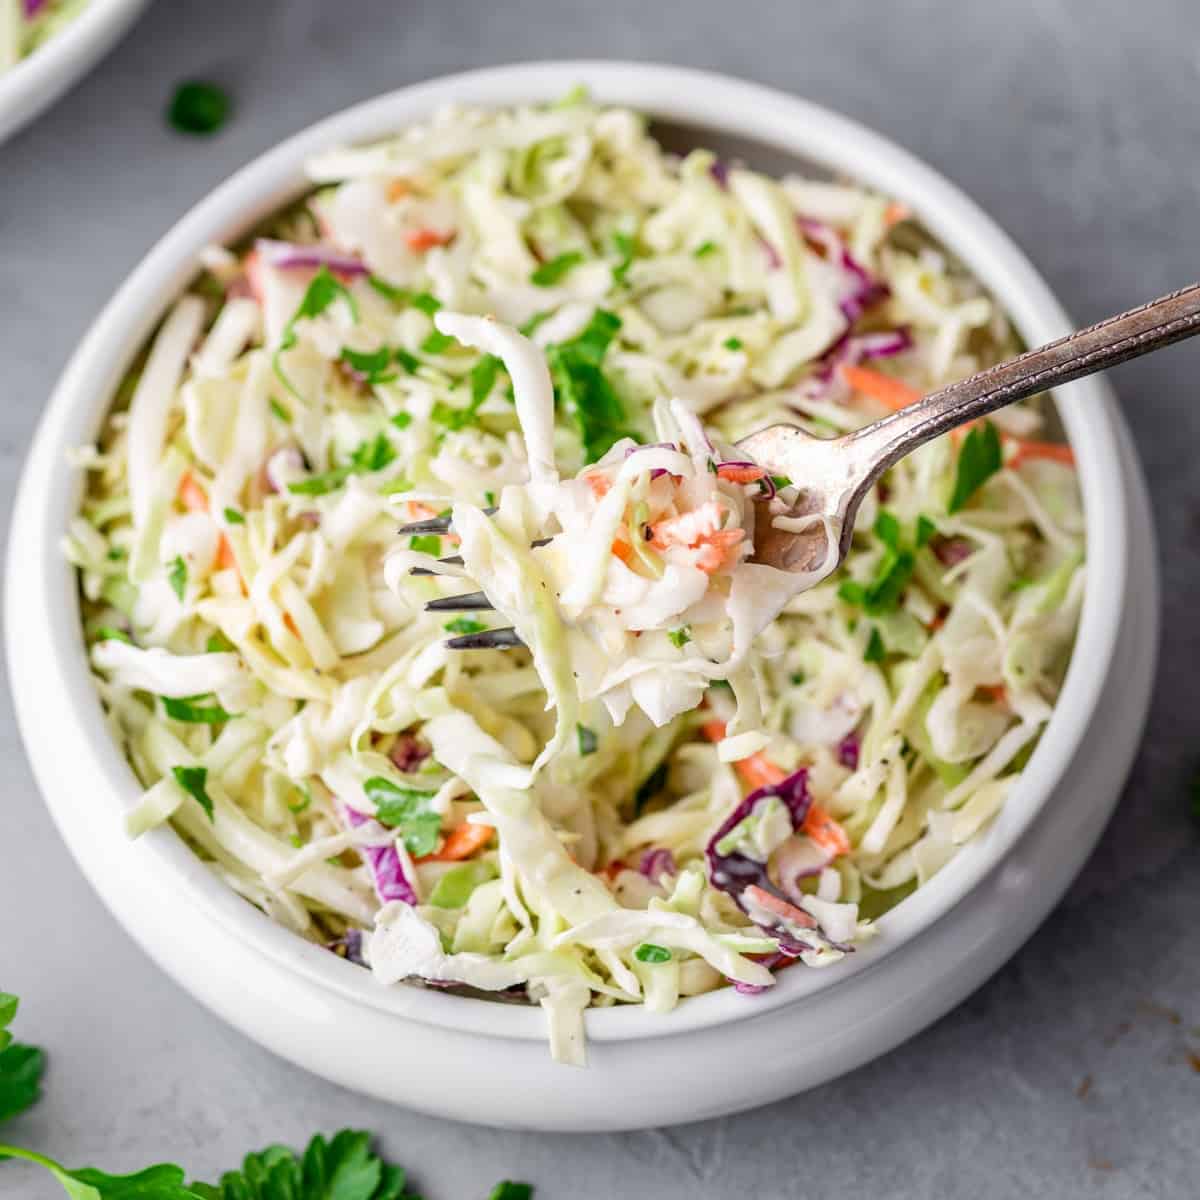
(462,1057)
(37,81)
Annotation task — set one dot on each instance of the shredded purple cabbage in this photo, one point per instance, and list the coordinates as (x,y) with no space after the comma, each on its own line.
(733,873)
(864,288)
(286,255)
(387,870)
(349,946)
(720,172)
(33,7)
(656,863)
(848,749)
(408,752)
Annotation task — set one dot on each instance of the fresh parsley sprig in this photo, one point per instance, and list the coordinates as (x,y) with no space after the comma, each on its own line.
(21,1066)
(323,289)
(407,810)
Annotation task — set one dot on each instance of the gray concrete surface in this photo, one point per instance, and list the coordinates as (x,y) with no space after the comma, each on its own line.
(1065,1076)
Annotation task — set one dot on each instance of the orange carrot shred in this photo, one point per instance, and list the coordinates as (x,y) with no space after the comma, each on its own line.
(1025,451)
(461,843)
(781,908)
(426,239)
(891,393)
(191,495)
(825,831)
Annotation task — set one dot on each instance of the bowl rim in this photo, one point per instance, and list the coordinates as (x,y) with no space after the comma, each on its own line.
(37,80)
(48,496)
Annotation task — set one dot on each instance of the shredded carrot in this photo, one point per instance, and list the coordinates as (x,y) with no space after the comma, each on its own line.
(825,831)
(891,393)
(225,558)
(291,624)
(623,550)
(719,549)
(994,691)
(758,771)
(895,213)
(398,189)
(425,239)
(191,495)
(781,908)
(461,843)
(598,483)
(1025,451)
(252,268)
(736,473)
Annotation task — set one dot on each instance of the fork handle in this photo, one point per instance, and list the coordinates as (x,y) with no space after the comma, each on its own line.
(1169,319)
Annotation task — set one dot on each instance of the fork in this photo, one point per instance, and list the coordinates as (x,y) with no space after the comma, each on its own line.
(833,475)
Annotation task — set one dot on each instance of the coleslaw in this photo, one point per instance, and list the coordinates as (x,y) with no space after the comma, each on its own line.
(696,771)
(25,25)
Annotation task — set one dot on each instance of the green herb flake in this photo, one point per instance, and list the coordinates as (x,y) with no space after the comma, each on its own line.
(401,420)
(648,952)
(925,530)
(426,543)
(21,1066)
(367,458)
(732,343)
(893,571)
(187,710)
(437,343)
(407,810)
(233,517)
(875,651)
(410,362)
(426,303)
(588,742)
(297,807)
(483,379)
(704,250)
(680,637)
(193,781)
(280,412)
(781,481)
(372,365)
(978,460)
(198,108)
(323,289)
(507,1190)
(464,625)
(552,271)
(218,643)
(389,291)
(177,576)
(531,326)
(796,678)
(626,249)
(489,499)
(106,633)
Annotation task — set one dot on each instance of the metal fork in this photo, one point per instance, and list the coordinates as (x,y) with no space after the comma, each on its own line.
(834,475)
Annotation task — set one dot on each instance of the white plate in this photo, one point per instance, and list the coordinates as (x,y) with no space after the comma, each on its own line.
(37,81)
(483,1061)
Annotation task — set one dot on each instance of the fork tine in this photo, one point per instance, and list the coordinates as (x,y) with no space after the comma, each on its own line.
(490,639)
(471,602)
(455,560)
(434,524)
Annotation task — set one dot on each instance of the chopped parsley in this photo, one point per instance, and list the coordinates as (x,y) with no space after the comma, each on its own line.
(371,364)
(483,379)
(588,742)
(552,271)
(389,291)
(883,593)
(704,250)
(680,637)
(367,458)
(323,289)
(426,303)
(507,1190)
(490,499)
(648,952)
(407,810)
(177,576)
(402,420)
(218,643)
(198,108)
(280,412)
(106,633)
(978,460)
(925,530)
(410,362)
(437,343)
(21,1066)
(531,326)
(305,799)
(233,517)
(426,543)
(193,781)
(464,625)
(875,651)
(626,248)
(582,390)
(187,710)
(781,481)
(732,343)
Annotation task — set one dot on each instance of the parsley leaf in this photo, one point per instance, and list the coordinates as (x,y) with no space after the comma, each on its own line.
(437,343)
(106,633)
(280,412)
(704,250)
(177,576)
(892,572)
(483,379)
(163,1182)
(588,741)
(581,388)
(193,780)
(218,643)
(875,651)
(507,1190)
(371,364)
(20,1066)
(198,108)
(464,625)
(194,714)
(626,247)
(407,810)
(550,272)
(978,460)
(680,637)
(323,289)
(410,362)
(732,343)
(233,517)
(426,303)
(389,291)
(925,530)
(425,543)
(648,952)
(402,420)
(367,457)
